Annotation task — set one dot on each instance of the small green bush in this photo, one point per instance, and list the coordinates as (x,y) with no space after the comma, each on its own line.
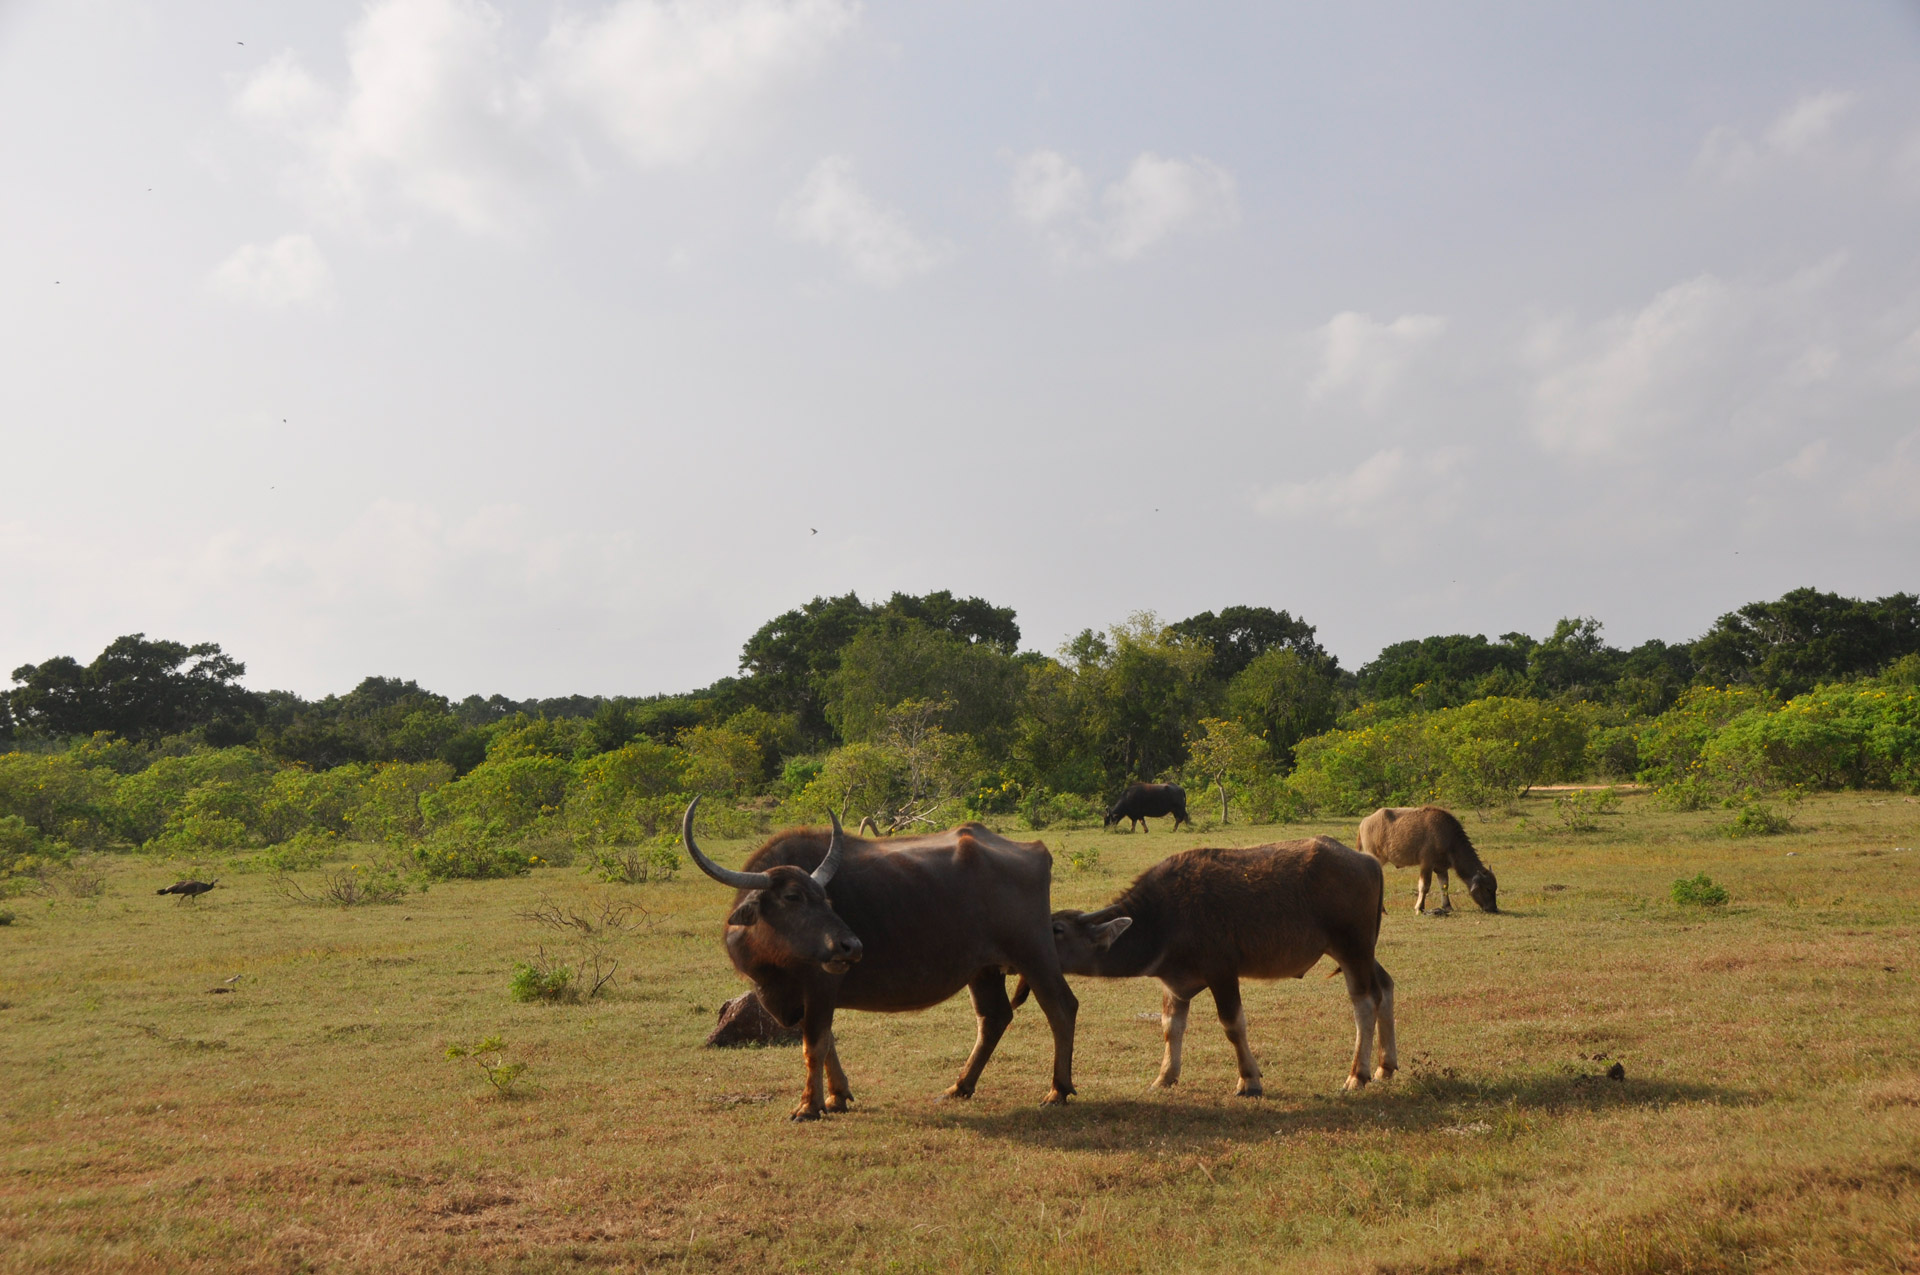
(6,917)
(540,980)
(1757,820)
(1581,811)
(1044,808)
(634,864)
(486,1055)
(1082,858)
(1699,892)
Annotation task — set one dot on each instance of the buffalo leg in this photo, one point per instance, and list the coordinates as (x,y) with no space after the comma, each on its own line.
(839,1092)
(1389,1053)
(1061,1007)
(1426,885)
(1362,991)
(1233,1017)
(1173,1029)
(817,1035)
(989,992)
(1446,896)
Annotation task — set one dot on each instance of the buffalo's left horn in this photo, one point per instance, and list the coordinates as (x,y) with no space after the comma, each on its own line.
(725,876)
(830,864)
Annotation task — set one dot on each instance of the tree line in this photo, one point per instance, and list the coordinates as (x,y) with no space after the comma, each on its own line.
(918,709)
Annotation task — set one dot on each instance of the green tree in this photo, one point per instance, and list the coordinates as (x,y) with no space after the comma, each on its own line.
(140,690)
(893,661)
(1239,635)
(1226,750)
(1807,637)
(1282,696)
(1440,672)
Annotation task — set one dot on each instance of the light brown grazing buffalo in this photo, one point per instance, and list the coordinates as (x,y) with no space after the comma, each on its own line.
(1205,919)
(826,921)
(1432,839)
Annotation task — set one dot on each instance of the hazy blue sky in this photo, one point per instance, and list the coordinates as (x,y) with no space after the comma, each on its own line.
(522,348)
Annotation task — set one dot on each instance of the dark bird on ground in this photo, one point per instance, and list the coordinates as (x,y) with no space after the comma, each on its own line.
(189,889)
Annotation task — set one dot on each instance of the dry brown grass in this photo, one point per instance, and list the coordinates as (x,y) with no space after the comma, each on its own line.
(1770,1119)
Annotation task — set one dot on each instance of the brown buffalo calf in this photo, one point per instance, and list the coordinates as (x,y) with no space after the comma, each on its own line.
(1205,919)
(1432,839)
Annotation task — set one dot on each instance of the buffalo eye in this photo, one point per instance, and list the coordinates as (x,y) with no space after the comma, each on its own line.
(1059,929)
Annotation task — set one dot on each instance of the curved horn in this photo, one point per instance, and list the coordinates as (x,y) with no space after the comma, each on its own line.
(830,864)
(725,876)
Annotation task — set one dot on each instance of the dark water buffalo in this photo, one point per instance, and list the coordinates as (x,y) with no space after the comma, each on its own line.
(1205,919)
(1432,839)
(1141,802)
(826,921)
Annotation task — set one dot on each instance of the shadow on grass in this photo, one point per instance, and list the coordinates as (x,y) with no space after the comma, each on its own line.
(1420,1105)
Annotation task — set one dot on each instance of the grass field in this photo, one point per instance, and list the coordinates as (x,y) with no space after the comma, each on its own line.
(310,1120)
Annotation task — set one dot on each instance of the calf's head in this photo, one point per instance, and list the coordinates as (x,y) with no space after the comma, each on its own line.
(1484,888)
(784,921)
(1081,938)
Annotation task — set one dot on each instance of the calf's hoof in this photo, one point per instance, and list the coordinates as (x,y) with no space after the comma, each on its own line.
(839,1102)
(957,1090)
(1384,1071)
(805,1111)
(1164,1081)
(1249,1090)
(1355,1082)
(1056,1097)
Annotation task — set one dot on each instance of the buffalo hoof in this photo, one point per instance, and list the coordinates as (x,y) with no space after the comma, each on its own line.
(1055,1098)
(1384,1072)
(1355,1082)
(1249,1091)
(960,1092)
(839,1102)
(803,1112)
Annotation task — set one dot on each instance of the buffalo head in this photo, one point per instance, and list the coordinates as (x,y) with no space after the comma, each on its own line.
(784,921)
(1081,938)
(1484,888)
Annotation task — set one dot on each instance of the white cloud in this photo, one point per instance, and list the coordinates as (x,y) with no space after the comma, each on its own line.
(831,210)
(442,112)
(1808,122)
(665,80)
(1636,375)
(1799,131)
(1392,493)
(1157,198)
(289,271)
(1366,358)
(1047,188)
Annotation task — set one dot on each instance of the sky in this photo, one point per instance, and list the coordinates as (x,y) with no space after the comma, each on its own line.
(542,349)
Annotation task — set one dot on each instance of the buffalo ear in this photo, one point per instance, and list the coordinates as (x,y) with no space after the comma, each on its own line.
(1104,935)
(748,912)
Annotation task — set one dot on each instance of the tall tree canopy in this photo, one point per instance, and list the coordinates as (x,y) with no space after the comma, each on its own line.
(1240,634)
(1808,637)
(140,690)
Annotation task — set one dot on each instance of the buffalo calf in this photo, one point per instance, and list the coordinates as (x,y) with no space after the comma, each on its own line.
(1430,838)
(1205,919)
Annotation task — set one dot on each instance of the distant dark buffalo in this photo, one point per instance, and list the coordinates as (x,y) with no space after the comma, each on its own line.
(826,921)
(1431,838)
(1205,919)
(1141,802)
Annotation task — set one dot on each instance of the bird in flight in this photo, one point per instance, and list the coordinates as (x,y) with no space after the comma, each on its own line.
(814,530)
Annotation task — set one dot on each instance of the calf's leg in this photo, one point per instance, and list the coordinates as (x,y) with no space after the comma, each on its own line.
(1389,1053)
(1426,884)
(994,1012)
(1173,1029)
(1446,897)
(1233,1017)
(1362,992)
